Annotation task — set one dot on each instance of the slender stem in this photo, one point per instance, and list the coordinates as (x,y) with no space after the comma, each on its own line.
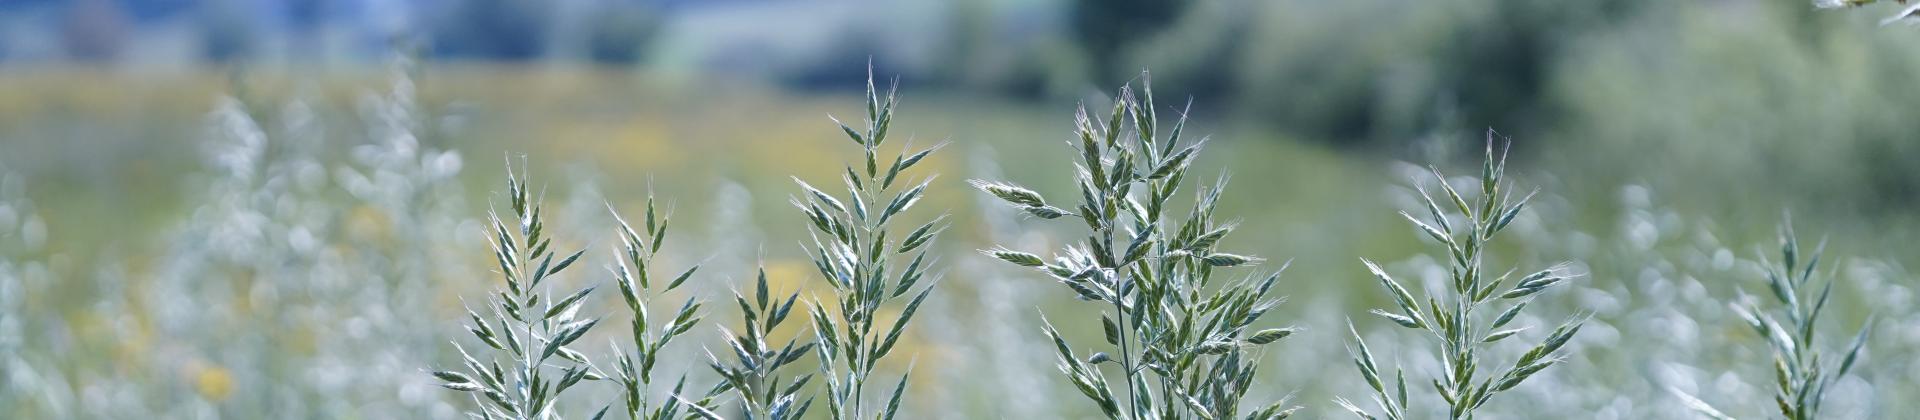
(1120,311)
(862,358)
(859,391)
(758,409)
(1126,353)
(863,361)
(1461,343)
(526,350)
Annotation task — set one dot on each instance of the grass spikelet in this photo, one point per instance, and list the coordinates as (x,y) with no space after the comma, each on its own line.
(855,250)
(1457,318)
(1802,374)
(634,271)
(1182,337)
(533,332)
(754,372)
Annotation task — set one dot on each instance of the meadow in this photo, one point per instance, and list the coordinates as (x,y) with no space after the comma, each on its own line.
(288,245)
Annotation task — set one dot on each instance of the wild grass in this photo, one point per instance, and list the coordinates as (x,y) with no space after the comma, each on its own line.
(408,199)
(294,285)
(303,281)
(290,286)
(1801,377)
(528,328)
(754,373)
(1904,13)
(991,351)
(1654,318)
(1462,331)
(761,376)
(855,257)
(636,260)
(1181,337)
(22,234)
(853,250)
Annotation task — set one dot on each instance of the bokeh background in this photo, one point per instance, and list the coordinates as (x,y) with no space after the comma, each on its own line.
(270,209)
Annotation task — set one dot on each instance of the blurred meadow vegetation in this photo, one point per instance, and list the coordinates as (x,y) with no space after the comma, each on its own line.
(1667,140)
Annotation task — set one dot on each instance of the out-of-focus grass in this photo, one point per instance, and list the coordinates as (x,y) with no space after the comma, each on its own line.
(97,143)
(107,155)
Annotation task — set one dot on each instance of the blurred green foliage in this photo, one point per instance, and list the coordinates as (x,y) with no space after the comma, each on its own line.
(1108,28)
(621,31)
(111,196)
(492,29)
(1780,99)
(1774,94)
(1728,113)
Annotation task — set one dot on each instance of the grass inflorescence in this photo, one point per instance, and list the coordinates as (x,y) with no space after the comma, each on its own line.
(755,371)
(21,233)
(857,248)
(1180,336)
(1801,376)
(1455,317)
(635,261)
(530,330)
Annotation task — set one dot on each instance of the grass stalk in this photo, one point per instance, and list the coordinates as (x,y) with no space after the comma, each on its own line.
(1464,333)
(1175,328)
(1801,376)
(854,246)
(528,328)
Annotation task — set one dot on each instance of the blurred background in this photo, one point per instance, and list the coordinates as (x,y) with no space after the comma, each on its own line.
(255,208)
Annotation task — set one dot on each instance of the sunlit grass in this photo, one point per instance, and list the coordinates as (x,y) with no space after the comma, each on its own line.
(113,174)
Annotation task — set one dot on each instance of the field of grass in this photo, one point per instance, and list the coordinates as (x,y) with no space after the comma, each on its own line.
(318,277)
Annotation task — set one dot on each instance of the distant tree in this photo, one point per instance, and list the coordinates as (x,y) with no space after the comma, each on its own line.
(303,24)
(1106,29)
(508,30)
(226,30)
(621,31)
(94,30)
(1491,62)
